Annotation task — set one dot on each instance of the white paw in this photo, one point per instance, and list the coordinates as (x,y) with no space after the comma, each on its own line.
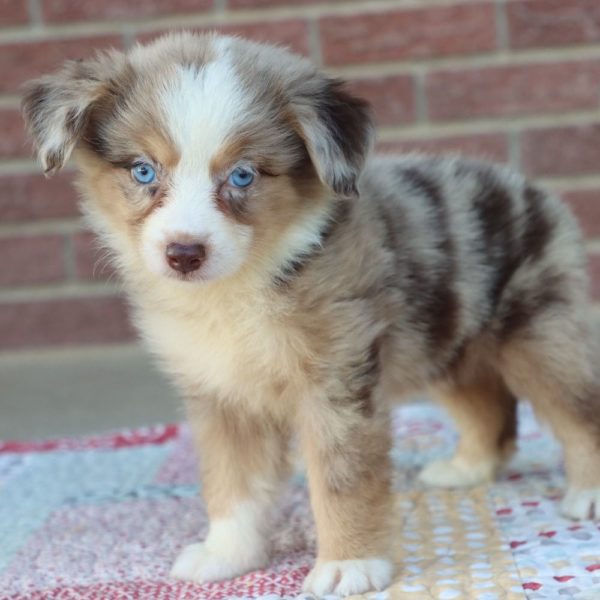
(455,473)
(347,577)
(198,563)
(581,504)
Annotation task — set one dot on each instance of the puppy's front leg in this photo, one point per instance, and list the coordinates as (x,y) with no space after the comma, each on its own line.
(243,459)
(346,446)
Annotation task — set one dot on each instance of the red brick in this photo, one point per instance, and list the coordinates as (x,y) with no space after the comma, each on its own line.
(513,90)
(33,197)
(91,260)
(72,321)
(84,10)
(392,98)
(13,141)
(20,61)
(292,33)
(585,204)
(408,34)
(270,3)
(491,146)
(28,260)
(594,273)
(539,23)
(562,150)
(13,12)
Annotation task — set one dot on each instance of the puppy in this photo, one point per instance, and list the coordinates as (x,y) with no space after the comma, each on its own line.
(290,283)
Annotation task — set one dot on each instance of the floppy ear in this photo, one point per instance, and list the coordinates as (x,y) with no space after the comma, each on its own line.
(337,129)
(56,107)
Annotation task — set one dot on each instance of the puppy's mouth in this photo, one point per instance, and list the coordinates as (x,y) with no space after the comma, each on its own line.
(194,277)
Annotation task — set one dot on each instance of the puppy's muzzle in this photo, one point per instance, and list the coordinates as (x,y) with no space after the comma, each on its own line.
(185,258)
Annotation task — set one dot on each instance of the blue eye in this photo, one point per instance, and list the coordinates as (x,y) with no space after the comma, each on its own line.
(143,173)
(241,177)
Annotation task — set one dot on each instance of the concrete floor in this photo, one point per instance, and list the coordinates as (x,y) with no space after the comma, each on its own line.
(75,391)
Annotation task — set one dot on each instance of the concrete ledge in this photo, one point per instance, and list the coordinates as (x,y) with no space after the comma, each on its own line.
(82,390)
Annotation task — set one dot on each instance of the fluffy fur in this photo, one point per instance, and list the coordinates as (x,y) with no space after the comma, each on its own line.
(332,284)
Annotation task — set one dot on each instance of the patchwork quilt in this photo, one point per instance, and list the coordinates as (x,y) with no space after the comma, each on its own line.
(103,517)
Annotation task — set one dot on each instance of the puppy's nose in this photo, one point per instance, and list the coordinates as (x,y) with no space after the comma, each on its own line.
(185,258)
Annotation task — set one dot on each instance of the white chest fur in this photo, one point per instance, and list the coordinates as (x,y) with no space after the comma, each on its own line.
(238,346)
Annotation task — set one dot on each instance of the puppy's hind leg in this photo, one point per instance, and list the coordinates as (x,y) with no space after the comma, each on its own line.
(484,411)
(553,366)
(243,459)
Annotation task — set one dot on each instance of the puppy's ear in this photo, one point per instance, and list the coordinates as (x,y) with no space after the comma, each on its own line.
(56,107)
(337,129)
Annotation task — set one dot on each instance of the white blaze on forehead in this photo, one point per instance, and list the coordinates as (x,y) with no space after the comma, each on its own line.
(203,106)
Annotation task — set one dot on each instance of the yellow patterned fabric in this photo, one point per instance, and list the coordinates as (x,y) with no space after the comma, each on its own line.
(506,540)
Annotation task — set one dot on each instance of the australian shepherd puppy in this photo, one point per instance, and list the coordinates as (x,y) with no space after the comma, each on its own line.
(290,283)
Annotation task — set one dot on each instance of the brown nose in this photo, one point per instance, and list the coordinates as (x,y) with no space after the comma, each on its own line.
(185,258)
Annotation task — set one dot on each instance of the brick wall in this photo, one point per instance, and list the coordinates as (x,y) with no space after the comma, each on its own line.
(512,80)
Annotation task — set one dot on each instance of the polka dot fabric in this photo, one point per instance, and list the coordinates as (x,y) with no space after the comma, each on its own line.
(102,518)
